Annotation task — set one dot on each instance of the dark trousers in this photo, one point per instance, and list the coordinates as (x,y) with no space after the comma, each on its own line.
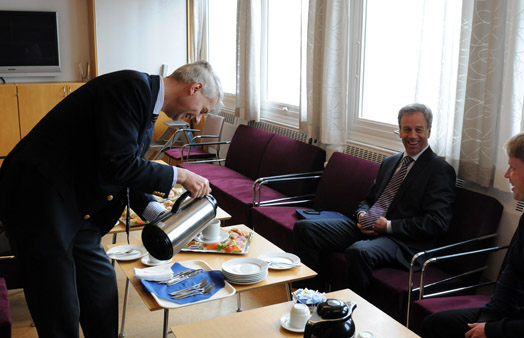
(313,239)
(78,286)
(449,324)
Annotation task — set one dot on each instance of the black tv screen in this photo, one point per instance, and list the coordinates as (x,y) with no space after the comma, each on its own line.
(29,44)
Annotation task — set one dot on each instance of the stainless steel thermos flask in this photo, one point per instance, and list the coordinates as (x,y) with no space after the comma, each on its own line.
(170,232)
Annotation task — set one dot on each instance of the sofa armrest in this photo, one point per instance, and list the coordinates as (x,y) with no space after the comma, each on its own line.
(259,182)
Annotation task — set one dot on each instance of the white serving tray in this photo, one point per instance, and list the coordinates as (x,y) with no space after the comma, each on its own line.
(226,291)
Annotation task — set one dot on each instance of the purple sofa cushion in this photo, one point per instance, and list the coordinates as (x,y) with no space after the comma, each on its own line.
(345,183)
(5,311)
(212,171)
(196,152)
(246,150)
(275,224)
(420,309)
(285,155)
(389,287)
(236,197)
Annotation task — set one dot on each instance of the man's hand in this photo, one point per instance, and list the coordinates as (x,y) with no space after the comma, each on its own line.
(379,226)
(477,331)
(197,185)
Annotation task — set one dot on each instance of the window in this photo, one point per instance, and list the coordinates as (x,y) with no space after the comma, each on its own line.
(222,45)
(397,56)
(281,59)
(281,52)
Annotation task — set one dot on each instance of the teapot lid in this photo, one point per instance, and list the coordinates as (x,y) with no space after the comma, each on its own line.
(333,309)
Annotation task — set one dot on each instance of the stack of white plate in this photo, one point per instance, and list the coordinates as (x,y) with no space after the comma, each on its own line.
(245,270)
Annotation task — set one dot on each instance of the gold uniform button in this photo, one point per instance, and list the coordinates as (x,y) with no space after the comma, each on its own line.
(110,198)
(87,217)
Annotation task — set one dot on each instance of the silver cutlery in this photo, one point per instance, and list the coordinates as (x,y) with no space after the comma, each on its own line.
(177,278)
(282,264)
(128,252)
(203,288)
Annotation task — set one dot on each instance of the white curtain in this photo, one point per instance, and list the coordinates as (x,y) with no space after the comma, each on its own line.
(198,30)
(248,59)
(327,73)
(479,103)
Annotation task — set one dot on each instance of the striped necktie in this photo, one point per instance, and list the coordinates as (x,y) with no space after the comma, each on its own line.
(382,204)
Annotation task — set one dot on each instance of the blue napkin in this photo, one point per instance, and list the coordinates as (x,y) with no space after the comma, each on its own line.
(162,290)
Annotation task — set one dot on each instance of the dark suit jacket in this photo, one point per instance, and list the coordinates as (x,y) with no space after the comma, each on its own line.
(78,160)
(423,205)
(504,314)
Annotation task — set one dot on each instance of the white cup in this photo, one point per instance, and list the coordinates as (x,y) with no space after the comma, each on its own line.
(212,230)
(299,315)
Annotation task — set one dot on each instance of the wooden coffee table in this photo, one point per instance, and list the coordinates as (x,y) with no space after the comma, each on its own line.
(259,245)
(264,322)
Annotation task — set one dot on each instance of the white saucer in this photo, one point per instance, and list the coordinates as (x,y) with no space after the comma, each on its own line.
(145,260)
(221,237)
(115,252)
(284,322)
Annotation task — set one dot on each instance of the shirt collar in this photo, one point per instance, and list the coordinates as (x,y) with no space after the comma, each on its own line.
(160,98)
(415,157)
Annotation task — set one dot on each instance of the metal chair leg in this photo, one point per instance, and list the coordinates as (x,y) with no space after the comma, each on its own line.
(124,310)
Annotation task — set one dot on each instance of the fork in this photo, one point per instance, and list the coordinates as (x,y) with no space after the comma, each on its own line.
(124,253)
(202,288)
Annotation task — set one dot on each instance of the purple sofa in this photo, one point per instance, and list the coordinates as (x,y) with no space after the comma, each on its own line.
(475,216)
(344,183)
(255,153)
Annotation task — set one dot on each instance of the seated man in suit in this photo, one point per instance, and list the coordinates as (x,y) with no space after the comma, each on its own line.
(503,316)
(407,208)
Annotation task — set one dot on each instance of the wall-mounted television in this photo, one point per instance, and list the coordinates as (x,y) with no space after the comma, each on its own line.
(29,44)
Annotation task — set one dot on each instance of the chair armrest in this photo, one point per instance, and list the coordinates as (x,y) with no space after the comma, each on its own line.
(432,251)
(437,259)
(259,182)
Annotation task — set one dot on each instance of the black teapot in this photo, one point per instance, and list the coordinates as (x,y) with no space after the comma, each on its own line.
(331,319)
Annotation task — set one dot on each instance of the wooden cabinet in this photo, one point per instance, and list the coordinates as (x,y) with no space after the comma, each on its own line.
(9,128)
(23,105)
(37,99)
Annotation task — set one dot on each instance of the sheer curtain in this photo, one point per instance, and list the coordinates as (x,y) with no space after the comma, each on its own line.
(327,73)
(479,101)
(198,33)
(248,59)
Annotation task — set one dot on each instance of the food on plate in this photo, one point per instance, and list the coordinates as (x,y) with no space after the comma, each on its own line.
(168,204)
(236,242)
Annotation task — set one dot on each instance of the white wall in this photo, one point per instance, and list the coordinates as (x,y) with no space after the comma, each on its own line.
(131,34)
(141,35)
(73,35)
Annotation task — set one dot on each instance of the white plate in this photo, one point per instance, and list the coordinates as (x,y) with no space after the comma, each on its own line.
(145,260)
(115,252)
(245,266)
(221,237)
(284,322)
(226,291)
(288,260)
(248,281)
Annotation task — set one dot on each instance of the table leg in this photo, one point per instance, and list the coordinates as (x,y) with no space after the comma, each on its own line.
(114,241)
(124,309)
(288,291)
(239,303)
(166,322)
